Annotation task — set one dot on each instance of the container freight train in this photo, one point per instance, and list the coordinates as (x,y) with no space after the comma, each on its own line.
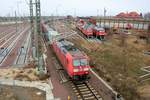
(90,29)
(74,61)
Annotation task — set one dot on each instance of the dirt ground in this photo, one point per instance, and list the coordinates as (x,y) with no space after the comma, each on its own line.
(120,65)
(145,91)
(24,74)
(21,93)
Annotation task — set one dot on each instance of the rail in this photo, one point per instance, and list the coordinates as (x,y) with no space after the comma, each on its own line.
(85,91)
(11,47)
(22,57)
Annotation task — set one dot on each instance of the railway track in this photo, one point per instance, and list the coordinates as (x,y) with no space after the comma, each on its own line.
(70,33)
(9,47)
(23,51)
(84,91)
(6,36)
(5,51)
(89,39)
(5,29)
(9,40)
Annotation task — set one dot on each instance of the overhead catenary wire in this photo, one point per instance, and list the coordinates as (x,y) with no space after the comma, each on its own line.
(27,2)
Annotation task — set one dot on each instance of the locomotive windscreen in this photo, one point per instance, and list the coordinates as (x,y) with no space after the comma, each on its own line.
(80,62)
(83,62)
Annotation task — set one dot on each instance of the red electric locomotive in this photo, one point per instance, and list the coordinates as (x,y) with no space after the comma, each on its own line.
(88,30)
(99,32)
(75,62)
(80,24)
(85,28)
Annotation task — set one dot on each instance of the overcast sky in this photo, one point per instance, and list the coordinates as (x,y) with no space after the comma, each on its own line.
(75,7)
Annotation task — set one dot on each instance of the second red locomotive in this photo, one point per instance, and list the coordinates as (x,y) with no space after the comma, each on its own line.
(99,32)
(90,29)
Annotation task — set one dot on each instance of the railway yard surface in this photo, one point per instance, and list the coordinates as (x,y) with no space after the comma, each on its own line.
(118,72)
(119,64)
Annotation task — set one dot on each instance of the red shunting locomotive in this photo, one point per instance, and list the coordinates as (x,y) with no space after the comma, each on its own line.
(75,62)
(90,29)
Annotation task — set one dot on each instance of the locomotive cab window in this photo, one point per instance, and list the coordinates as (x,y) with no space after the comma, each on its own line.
(83,62)
(76,62)
(80,62)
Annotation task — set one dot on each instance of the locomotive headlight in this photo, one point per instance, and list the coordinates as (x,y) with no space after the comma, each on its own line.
(86,69)
(75,70)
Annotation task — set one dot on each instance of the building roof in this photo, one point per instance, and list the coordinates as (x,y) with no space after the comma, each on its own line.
(128,15)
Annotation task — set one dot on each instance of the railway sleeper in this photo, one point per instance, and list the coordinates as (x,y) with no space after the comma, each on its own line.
(89,98)
(87,95)
(92,98)
(80,99)
(57,66)
(74,88)
(98,96)
(79,85)
(84,89)
(78,96)
(84,92)
(95,92)
(62,75)
(91,88)
(75,91)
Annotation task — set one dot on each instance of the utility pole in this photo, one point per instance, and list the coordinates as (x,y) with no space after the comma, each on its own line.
(97,13)
(16,22)
(38,17)
(104,16)
(105,12)
(37,37)
(31,16)
(32,30)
